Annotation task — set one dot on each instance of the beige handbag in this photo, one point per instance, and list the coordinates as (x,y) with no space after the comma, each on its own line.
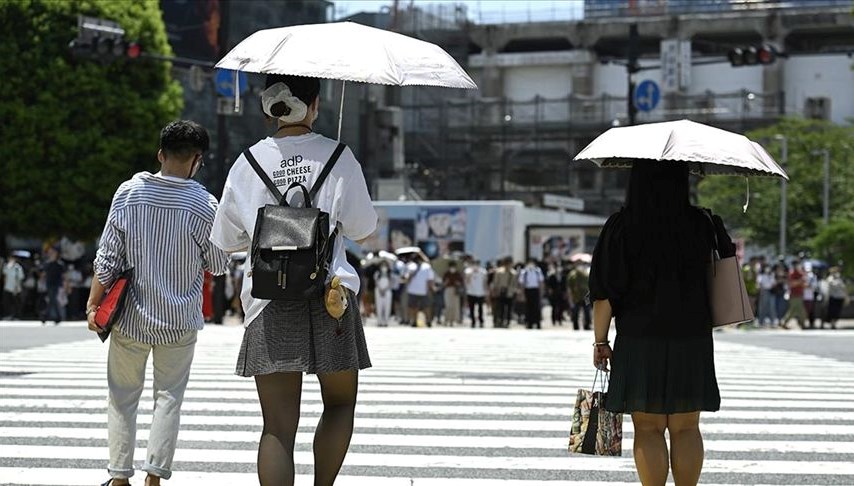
(728,298)
(727,294)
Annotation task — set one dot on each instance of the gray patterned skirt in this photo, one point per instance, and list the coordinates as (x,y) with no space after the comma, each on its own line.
(303,337)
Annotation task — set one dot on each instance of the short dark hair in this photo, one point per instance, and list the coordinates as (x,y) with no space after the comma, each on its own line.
(182,138)
(304,88)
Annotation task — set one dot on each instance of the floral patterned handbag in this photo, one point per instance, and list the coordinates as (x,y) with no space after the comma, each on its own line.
(595,431)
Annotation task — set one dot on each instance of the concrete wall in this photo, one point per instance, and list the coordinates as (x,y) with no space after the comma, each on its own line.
(828,76)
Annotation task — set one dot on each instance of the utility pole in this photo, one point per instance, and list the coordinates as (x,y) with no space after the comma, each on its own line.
(219,166)
(632,67)
(784,158)
(825,201)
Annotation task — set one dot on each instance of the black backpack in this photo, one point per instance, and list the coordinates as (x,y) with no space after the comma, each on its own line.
(291,246)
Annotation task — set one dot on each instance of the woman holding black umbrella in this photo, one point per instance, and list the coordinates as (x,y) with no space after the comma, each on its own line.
(649,271)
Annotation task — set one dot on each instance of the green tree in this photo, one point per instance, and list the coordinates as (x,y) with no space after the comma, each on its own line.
(760,225)
(74,129)
(835,243)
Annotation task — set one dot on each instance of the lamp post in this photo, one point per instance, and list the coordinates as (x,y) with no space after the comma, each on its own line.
(825,206)
(784,158)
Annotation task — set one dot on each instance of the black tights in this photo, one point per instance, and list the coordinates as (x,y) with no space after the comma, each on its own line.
(280,400)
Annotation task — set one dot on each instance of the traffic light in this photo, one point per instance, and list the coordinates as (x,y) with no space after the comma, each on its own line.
(752,55)
(102,40)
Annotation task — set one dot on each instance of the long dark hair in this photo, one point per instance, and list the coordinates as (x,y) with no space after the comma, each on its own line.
(663,236)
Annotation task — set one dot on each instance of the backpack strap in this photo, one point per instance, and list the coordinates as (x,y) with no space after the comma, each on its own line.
(326,170)
(263,175)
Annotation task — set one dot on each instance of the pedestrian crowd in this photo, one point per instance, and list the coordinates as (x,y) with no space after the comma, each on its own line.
(460,289)
(46,288)
(806,291)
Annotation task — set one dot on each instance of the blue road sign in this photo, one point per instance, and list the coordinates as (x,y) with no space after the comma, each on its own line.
(647,96)
(224,81)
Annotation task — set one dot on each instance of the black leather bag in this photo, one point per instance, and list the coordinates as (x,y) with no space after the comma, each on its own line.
(291,246)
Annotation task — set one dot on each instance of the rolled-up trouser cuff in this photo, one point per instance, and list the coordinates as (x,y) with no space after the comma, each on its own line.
(157,471)
(119,473)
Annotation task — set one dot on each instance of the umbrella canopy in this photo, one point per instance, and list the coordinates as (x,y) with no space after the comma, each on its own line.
(407,250)
(347,51)
(581,257)
(707,150)
(379,257)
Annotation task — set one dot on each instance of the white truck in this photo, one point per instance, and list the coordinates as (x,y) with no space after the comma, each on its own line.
(487,230)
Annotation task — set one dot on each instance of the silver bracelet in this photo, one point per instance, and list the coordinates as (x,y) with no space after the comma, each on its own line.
(602,343)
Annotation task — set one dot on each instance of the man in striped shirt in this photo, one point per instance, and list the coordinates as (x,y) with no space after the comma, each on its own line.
(158,225)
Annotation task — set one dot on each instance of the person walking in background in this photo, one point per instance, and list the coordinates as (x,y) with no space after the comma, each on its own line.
(766,281)
(453,285)
(419,285)
(503,290)
(54,271)
(476,287)
(649,271)
(796,282)
(286,338)
(556,289)
(382,293)
(158,225)
(577,288)
(781,277)
(75,292)
(748,274)
(810,293)
(13,287)
(837,297)
(531,279)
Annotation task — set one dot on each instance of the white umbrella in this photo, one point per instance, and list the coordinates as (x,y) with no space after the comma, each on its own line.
(346,51)
(707,150)
(581,257)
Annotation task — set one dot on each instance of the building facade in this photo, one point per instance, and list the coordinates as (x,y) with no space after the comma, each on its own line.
(548,88)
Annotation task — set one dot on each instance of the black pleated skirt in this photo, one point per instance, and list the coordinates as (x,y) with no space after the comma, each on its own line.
(663,375)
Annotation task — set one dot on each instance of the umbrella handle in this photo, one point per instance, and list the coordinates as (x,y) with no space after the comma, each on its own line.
(341,109)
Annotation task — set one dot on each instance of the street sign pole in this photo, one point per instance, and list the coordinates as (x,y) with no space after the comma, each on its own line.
(632,68)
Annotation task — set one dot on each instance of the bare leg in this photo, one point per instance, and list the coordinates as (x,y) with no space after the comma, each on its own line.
(686,447)
(650,449)
(332,437)
(280,399)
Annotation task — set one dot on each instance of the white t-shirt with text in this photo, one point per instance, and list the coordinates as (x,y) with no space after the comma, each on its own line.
(344,195)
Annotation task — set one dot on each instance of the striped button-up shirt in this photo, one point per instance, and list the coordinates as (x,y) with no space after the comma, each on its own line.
(160,226)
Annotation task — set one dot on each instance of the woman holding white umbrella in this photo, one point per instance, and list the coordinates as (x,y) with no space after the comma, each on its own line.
(649,270)
(284,339)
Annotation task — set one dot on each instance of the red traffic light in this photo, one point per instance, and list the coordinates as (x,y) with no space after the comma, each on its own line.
(766,54)
(133,50)
(752,55)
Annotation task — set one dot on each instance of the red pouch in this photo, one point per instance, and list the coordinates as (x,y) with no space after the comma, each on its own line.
(113,303)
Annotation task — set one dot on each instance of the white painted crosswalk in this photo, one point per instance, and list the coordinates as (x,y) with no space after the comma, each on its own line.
(440,407)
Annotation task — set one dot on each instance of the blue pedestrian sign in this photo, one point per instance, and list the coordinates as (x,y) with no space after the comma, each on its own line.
(647,95)
(224,81)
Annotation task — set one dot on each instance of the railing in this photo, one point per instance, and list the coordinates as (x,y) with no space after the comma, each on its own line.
(587,110)
(637,8)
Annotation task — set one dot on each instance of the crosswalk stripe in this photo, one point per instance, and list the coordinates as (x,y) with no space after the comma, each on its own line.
(574,463)
(436,441)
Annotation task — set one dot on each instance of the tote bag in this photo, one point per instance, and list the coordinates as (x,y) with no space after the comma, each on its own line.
(728,298)
(595,431)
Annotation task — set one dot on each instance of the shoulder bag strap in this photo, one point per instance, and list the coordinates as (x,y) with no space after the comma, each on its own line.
(263,175)
(326,170)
